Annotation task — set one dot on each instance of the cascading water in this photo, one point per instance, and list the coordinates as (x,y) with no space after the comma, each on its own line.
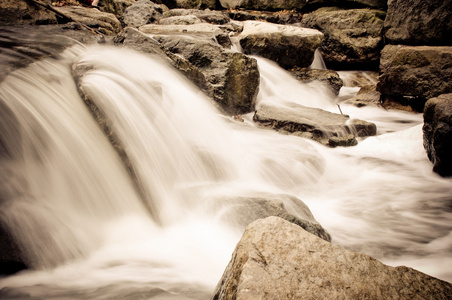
(74,206)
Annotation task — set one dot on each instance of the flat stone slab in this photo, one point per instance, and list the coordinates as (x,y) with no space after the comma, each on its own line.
(322,126)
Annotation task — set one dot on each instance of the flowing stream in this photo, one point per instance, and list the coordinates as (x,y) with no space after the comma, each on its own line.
(91,235)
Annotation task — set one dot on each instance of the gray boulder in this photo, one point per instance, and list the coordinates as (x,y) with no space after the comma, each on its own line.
(278,260)
(353,38)
(411,74)
(180,20)
(278,17)
(141,13)
(14,12)
(234,77)
(329,77)
(437,131)
(270,5)
(287,45)
(419,22)
(324,127)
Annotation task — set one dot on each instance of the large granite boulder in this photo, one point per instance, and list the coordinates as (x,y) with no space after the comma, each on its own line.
(324,127)
(419,22)
(234,77)
(278,260)
(412,74)
(103,22)
(353,38)
(438,133)
(21,12)
(287,45)
(141,13)
(270,5)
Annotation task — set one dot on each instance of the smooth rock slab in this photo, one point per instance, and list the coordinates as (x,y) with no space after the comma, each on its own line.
(287,45)
(314,123)
(276,259)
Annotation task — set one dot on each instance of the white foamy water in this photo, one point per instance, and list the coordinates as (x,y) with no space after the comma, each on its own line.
(103,240)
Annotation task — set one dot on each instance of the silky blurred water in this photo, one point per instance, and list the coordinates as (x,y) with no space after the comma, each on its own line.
(91,235)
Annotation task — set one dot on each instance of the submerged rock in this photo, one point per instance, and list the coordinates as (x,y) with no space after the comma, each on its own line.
(287,45)
(242,211)
(279,260)
(419,22)
(353,38)
(314,123)
(437,131)
(412,74)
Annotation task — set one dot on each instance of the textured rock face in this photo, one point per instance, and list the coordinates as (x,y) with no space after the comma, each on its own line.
(353,38)
(438,133)
(279,260)
(134,39)
(329,77)
(380,4)
(142,13)
(116,7)
(287,45)
(313,123)
(264,4)
(419,22)
(106,23)
(14,12)
(234,77)
(412,74)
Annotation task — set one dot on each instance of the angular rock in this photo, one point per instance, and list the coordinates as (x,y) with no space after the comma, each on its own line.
(279,17)
(242,211)
(196,4)
(270,5)
(324,127)
(116,7)
(134,39)
(106,23)
(14,12)
(287,45)
(204,29)
(233,77)
(207,15)
(419,22)
(180,20)
(411,74)
(328,77)
(353,38)
(437,131)
(378,4)
(141,13)
(279,260)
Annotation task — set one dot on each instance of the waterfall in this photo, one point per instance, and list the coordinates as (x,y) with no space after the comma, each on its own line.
(92,232)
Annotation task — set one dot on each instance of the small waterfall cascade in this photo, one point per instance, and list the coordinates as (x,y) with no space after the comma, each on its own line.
(93,234)
(318,62)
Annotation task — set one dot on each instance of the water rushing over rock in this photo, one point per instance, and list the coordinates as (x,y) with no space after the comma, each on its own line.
(91,233)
